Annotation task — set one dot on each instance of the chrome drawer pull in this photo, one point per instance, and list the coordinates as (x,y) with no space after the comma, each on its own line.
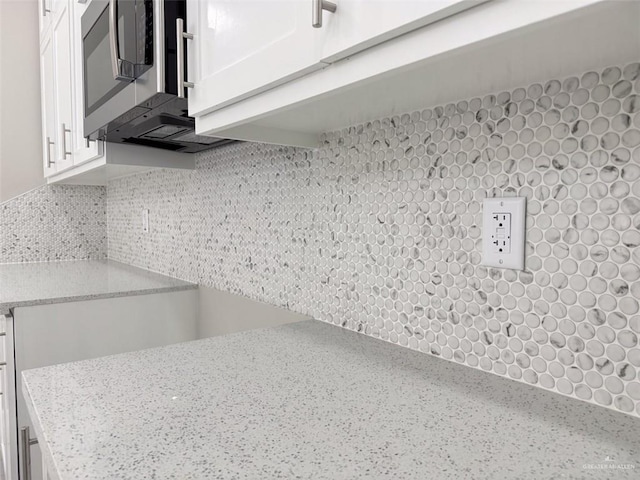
(49,161)
(63,133)
(26,442)
(180,36)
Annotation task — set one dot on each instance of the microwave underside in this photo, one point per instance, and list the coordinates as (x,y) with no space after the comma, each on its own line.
(161,122)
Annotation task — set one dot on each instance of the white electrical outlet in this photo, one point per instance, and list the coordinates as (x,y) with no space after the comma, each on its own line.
(145,220)
(500,231)
(503,232)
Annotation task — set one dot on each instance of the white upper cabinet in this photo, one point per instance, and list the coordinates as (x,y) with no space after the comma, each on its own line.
(382,57)
(68,157)
(360,24)
(244,47)
(61,32)
(55,73)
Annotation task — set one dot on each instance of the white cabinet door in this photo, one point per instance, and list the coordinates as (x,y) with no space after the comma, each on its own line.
(5,423)
(244,47)
(10,433)
(360,24)
(56,90)
(61,32)
(83,149)
(48,93)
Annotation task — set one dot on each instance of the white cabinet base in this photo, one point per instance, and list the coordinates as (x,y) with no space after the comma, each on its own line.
(121,160)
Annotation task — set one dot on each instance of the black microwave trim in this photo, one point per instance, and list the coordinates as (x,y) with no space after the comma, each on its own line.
(173,9)
(153,117)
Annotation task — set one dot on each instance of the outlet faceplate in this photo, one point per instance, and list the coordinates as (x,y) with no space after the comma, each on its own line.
(503,232)
(145,220)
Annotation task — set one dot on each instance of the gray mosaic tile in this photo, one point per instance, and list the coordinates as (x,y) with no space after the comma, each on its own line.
(54,222)
(379,231)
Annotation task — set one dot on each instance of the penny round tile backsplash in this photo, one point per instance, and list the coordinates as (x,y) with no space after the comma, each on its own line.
(379,231)
(54,223)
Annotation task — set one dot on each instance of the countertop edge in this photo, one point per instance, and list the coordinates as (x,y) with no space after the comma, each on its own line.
(6,308)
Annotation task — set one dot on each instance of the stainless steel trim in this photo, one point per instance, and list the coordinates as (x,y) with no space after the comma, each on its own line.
(181,35)
(63,132)
(49,161)
(45,10)
(113,37)
(318,7)
(116,61)
(25,443)
(158,45)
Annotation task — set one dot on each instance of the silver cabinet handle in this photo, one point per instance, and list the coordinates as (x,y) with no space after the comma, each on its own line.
(49,161)
(25,443)
(63,135)
(318,7)
(45,10)
(180,36)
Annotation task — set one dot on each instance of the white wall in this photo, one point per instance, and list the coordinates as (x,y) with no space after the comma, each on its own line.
(20,124)
(223,312)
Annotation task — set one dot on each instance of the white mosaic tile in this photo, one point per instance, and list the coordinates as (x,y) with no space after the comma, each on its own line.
(54,222)
(379,231)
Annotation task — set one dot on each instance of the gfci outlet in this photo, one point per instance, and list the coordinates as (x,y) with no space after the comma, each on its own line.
(503,231)
(500,231)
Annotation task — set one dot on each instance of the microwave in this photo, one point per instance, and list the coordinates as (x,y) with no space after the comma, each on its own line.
(131,68)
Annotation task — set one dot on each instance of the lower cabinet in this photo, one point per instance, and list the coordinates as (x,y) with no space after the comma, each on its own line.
(7,392)
(45,335)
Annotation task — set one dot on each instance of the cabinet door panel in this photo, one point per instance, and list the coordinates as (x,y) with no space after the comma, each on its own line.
(63,65)
(244,47)
(47,79)
(360,24)
(10,434)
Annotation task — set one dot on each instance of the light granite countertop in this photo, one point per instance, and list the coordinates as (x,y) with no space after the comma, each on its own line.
(311,400)
(26,284)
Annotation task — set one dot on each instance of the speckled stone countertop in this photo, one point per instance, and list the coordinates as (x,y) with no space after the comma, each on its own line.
(25,284)
(310,400)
